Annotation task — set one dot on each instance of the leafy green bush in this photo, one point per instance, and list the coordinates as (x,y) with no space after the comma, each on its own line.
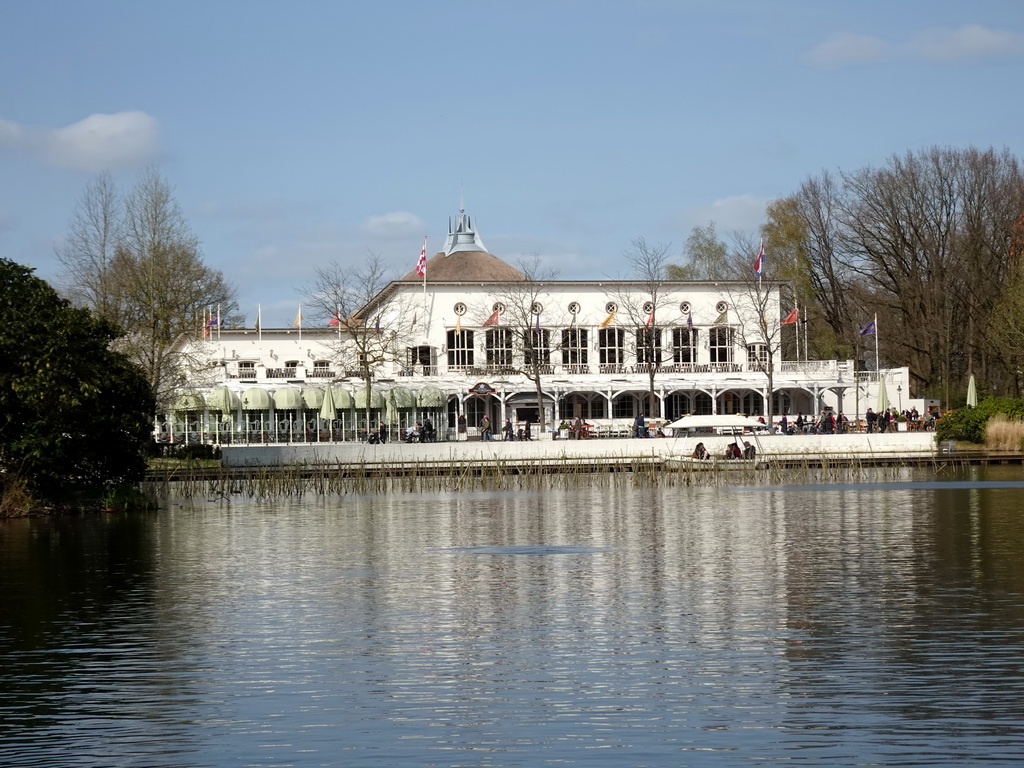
(968,424)
(74,413)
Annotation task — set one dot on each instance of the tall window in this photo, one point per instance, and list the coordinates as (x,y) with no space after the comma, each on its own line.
(537,346)
(460,349)
(625,406)
(498,347)
(757,356)
(574,346)
(648,345)
(610,343)
(720,344)
(752,404)
(419,355)
(684,345)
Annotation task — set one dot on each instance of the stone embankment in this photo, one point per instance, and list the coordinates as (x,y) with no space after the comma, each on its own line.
(860,447)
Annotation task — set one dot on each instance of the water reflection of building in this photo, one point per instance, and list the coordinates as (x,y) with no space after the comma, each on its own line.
(472,338)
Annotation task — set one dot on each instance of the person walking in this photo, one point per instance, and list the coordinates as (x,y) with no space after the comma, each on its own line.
(485,430)
(462,426)
(508,434)
(640,426)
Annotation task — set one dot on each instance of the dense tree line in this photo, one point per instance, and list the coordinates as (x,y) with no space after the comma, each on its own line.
(930,243)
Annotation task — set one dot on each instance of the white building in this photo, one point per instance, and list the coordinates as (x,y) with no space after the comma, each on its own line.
(476,336)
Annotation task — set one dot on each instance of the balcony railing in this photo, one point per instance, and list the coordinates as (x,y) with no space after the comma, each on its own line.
(280,373)
(810,367)
(807,368)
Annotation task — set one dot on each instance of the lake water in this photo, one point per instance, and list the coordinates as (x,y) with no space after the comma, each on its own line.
(878,622)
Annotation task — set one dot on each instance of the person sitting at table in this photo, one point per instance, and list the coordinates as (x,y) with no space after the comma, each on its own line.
(749,451)
(412,434)
(700,452)
(732,451)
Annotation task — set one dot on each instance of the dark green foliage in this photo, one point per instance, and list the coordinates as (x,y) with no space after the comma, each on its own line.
(74,414)
(968,424)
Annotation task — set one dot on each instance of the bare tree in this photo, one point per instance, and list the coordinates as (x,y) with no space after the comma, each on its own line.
(516,339)
(646,307)
(375,318)
(87,252)
(753,299)
(138,264)
(165,289)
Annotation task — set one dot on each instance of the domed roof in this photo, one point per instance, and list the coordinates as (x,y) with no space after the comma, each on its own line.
(465,259)
(466,267)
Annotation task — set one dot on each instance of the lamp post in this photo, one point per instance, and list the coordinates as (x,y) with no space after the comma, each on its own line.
(899,396)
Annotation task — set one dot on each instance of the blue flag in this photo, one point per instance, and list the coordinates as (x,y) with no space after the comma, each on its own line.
(869,329)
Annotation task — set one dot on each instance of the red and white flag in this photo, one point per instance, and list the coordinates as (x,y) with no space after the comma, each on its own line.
(493,319)
(759,264)
(421,265)
(335,319)
(792,317)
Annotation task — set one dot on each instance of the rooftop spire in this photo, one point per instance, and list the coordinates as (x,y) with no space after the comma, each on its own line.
(462,237)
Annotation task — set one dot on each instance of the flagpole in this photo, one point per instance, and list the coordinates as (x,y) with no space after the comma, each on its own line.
(797,324)
(218,322)
(259,321)
(877,368)
(805,333)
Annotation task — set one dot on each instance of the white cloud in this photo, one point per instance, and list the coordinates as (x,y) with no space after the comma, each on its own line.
(10,133)
(969,42)
(742,213)
(99,142)
(841,49)
(397,224)
(938,44)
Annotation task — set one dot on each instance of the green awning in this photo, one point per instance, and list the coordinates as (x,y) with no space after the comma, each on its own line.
(401,397)
(255,399)
(342,398)
(377,400)
(287,398)
(430,397)
(312,398)
(189,400)
(222,399)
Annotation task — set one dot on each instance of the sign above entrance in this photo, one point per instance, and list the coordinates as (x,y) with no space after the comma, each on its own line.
(482,388)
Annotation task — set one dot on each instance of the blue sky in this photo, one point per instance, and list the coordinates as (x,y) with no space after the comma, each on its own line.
(299,133)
